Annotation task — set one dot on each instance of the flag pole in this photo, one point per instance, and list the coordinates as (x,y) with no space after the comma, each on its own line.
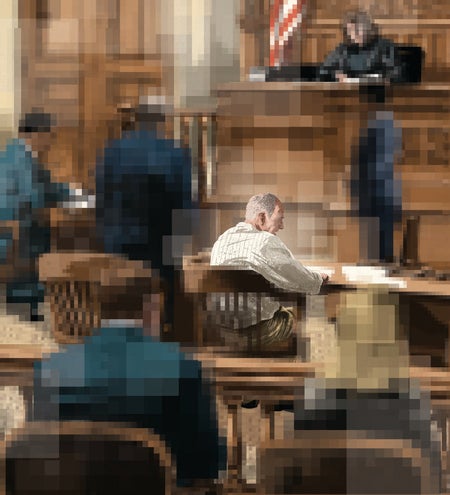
(274,33)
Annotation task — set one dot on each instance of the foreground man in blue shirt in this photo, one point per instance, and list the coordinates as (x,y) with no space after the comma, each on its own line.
(121,374)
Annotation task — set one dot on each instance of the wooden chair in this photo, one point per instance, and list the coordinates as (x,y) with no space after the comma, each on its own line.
(85,458)
(84,288)
(345,462)
(15,266)
(200,279)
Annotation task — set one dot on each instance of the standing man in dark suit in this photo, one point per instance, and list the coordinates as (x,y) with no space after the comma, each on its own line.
(365,57)
(142,181)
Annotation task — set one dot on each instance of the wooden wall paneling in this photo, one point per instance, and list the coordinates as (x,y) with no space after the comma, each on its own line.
(344,238)
(271,139)
(128,79)
(82,59)
(433,241)
(151,28)
(139,28)
(51,77)
(421,9)
(425,159)
(131,27)
(254,24)
(63,157)
(95,113)
(56,90)
(27,24)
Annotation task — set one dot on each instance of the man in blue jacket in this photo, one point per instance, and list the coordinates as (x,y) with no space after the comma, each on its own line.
(120,374)
(142,181)
(26,193)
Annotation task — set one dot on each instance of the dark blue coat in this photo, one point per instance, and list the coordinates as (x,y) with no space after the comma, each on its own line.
(140,180)
(120,375)
(25,189)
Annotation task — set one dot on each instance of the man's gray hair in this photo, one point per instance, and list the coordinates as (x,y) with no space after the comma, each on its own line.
(261,203)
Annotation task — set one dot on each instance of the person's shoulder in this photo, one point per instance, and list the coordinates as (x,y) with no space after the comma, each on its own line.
(15,143)
(340,48)
(273,240)
(15,148)
(17,163)
(123,339)
(383,42)
(339,52)
(240,227)
(135,139)
(114,149)
(223,238)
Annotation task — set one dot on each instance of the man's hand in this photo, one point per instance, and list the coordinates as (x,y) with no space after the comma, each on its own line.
(325,278)
(340,76)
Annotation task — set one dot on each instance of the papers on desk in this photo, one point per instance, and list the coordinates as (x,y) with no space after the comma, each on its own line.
(362,275)
(365,78)
(371,275)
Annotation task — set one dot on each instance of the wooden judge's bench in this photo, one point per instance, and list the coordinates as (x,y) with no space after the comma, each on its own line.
(296,140)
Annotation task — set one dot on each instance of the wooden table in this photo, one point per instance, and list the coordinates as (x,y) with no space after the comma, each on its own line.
(200,279)
(413,288)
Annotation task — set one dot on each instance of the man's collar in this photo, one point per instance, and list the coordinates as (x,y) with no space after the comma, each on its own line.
(251,226)
(121,323)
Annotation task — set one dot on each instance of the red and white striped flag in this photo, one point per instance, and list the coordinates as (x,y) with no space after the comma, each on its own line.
(285,16)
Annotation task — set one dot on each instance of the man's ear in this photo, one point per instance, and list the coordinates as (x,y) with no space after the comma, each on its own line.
(262,217)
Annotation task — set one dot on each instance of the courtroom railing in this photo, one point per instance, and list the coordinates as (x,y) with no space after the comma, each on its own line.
(196,129)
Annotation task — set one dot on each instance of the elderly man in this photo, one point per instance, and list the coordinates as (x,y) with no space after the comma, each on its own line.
(254,244)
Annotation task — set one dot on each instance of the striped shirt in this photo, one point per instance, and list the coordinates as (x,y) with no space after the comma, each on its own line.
(266,254)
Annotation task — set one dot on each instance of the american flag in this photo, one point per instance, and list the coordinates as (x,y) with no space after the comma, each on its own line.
(285,16)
